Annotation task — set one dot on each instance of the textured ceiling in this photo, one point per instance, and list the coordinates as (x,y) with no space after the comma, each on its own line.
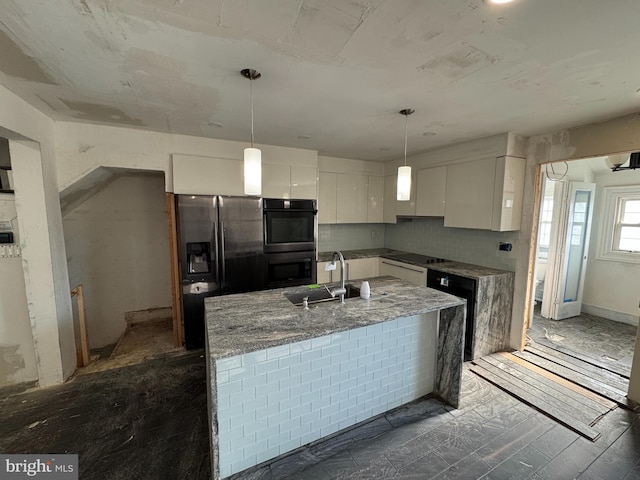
(335,73)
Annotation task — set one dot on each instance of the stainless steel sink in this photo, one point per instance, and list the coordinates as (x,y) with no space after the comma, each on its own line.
(318,295)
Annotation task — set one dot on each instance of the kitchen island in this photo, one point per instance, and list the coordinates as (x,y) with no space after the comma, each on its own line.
(281,376)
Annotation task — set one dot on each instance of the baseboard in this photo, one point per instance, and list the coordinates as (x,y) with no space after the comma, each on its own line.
(610,314)
(148,315)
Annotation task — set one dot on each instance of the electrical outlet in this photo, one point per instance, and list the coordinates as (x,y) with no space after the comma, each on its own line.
(373,234)
(505,246)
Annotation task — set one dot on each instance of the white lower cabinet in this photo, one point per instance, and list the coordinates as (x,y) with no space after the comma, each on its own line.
(403,271)
(324,276)
(360,268)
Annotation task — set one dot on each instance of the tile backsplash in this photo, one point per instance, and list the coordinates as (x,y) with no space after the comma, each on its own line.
(353,236)
(426,236)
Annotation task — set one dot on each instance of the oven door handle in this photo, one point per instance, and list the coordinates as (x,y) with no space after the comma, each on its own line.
(289,260)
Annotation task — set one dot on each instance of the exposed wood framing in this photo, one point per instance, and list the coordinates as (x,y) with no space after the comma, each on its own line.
(84,340)
(533,249)
(176,292)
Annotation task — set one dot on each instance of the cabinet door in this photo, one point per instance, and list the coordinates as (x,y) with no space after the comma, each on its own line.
(404,271)
(324,276)
(390,195)
(351,198)
(469,194)
(507,203)
(375,191)
(304,182)
(276,180)
(431,188)
(327,197)
(207,175)
(362,268)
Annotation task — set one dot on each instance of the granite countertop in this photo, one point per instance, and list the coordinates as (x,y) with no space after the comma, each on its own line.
(446,266)
(246,322)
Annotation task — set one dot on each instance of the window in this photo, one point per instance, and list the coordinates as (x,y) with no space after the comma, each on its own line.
(626,237)
(620,232)
(546,218)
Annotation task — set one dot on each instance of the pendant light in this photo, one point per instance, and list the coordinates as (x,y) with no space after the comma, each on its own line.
(404,172)
(252,156)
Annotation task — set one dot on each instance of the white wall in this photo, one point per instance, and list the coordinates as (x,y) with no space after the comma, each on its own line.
(118,249)
(43,257)
(612,288)
(17,355)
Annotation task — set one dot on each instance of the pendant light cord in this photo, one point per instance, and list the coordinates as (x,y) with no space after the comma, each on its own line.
(406,123)
(251,82)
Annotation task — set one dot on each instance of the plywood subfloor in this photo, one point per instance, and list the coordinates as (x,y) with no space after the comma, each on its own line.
(140,342)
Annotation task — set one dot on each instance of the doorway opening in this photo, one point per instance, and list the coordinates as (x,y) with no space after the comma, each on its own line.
(576,301)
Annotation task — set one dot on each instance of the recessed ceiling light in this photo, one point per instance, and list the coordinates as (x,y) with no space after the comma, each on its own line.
(215,124)
(429,134)
(498,2)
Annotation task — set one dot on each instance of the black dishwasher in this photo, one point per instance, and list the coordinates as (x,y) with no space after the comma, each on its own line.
(462,287)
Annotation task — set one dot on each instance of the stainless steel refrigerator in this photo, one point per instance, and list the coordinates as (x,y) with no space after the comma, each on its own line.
(221,252)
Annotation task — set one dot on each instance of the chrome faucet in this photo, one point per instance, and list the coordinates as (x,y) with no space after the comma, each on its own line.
(339,290)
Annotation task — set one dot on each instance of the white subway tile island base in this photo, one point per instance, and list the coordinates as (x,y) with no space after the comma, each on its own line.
(281,377)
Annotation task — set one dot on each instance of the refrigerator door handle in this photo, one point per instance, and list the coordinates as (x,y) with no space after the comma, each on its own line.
(222,260)
(215,255)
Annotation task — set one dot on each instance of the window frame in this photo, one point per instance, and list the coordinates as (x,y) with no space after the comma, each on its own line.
(610,223)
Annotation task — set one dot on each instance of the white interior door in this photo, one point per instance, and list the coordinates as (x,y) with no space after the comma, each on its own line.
(568,252)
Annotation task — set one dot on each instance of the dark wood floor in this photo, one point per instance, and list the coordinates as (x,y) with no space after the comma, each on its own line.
(136,422)
(149,421)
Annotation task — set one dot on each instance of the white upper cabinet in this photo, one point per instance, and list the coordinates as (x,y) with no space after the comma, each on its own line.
(469,194)
(507,200)
(207,175)
(485,194)
(284,181)
(351,198)
(390,196)
(375,197)
(327,197)
(276,180)
(431,188)
(304,182)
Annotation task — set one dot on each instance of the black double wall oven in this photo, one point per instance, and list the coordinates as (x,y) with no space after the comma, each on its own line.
(289,242)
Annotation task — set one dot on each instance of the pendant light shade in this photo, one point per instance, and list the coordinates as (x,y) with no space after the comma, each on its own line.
(404,184)
(252,156)
(252,171)
(404,172)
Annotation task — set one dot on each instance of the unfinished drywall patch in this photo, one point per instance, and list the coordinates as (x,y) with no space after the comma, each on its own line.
(100,113)
(11,362)
(458,62)
(16,63)
(316,18)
